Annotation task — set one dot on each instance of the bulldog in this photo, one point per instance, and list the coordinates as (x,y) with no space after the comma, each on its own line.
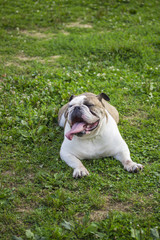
(90,131)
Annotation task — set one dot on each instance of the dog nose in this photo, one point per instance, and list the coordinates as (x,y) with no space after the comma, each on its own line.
(77,108)
(76,112)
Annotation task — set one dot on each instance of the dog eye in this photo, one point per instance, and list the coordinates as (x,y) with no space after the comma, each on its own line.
(89,104)
(70,106)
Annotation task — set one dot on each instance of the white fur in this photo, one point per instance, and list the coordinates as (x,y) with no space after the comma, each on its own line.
(77,100)
(106,142)
(62,121)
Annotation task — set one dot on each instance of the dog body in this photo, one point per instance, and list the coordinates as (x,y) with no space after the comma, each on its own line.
(90,131)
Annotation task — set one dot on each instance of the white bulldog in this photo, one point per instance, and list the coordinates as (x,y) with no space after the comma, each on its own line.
(90,131)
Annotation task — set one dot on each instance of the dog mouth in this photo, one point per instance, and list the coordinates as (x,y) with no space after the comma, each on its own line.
(79,127)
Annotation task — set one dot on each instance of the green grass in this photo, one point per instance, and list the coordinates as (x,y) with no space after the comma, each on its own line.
(50,50)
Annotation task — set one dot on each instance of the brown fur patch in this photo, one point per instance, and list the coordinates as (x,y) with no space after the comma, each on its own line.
(111,109)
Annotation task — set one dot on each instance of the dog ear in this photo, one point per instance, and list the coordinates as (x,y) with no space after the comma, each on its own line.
(104,96)
(71,97)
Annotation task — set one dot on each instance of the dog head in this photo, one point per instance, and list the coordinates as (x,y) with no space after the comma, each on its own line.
(85,113)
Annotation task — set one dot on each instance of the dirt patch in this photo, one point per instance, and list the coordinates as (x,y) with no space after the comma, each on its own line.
(8,64)
(141,199)
(35,34)
(78,25)
(98,215)
(43,35)
(137,115)
(102,214)
(53,58)
(65,33)
(8,173)
(24,58)
(24,210)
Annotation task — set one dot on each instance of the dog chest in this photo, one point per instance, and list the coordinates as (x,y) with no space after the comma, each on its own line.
(87,149)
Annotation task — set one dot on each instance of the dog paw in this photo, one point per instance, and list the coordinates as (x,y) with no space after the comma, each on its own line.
(80,172)
(133,167)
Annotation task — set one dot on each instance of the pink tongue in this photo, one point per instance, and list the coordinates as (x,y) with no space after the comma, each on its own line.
(76,128)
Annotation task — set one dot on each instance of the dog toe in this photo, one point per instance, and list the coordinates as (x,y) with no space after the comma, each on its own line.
(133,167)
(135,170)
(80,172)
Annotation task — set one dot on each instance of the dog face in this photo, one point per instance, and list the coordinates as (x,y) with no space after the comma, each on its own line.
(85,113)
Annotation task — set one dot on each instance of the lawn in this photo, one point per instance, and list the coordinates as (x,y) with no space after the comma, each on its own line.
(50,50)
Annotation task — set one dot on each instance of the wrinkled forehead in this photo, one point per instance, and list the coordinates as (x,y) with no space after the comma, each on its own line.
(77,100)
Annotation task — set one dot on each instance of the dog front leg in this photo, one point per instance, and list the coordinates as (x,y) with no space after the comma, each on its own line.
(129,165)
(75,163)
